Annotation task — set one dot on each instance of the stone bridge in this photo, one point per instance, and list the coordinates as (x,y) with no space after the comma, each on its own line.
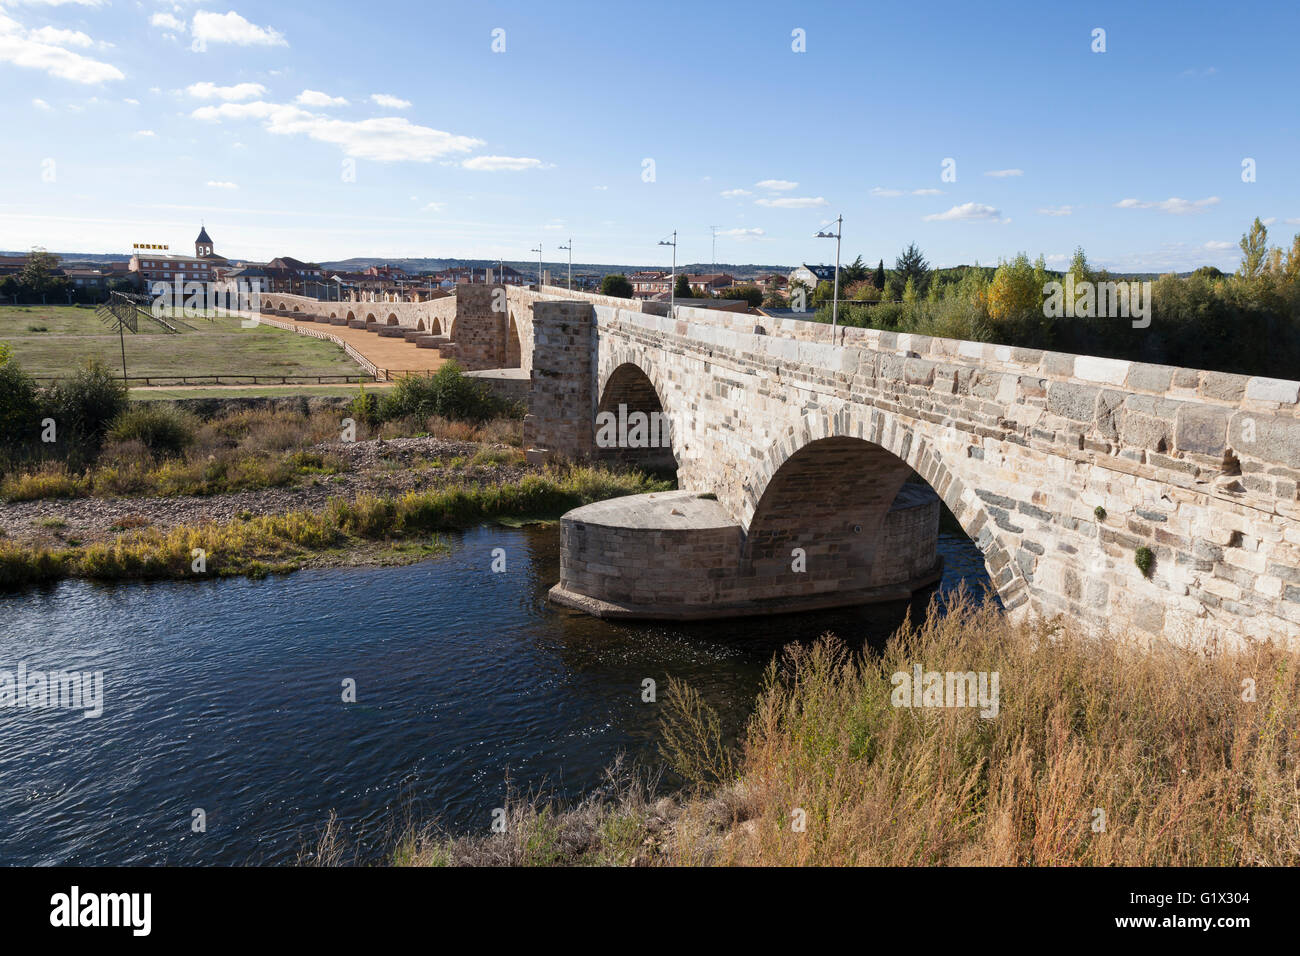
(810,469)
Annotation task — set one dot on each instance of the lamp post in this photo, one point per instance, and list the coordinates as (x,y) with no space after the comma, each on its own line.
(672,282)
(835,300)
(538,250)
(570,248)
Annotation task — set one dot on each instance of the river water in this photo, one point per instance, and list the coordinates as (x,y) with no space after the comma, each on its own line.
(227,697)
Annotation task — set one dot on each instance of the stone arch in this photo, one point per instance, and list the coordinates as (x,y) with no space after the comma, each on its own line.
(370,318)
(297,308)
(435,327)
(392,318)
(514,353)
(352,316)
(861,452)
(334,313)
(630,389)
(419,325)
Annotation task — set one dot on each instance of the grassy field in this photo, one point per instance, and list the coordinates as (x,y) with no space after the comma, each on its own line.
(55,340)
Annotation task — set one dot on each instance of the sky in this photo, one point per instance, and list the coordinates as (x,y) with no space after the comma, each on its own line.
(481,130)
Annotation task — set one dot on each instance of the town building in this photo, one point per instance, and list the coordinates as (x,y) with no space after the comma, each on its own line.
(150,265)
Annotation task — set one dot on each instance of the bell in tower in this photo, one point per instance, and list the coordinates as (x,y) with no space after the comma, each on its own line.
(203,244)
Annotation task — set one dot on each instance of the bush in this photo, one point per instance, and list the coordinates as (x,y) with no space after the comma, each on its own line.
(448,393)
(20,406)
(83,407)
(161,428)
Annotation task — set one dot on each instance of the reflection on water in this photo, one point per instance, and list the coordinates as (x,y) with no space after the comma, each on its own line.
(226,696)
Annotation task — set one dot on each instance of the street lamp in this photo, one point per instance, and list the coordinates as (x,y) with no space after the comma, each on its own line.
(570,248)
(672,282)
(835,300)
(538,250)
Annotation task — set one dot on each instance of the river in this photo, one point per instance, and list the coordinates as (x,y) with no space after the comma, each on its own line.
(226,697)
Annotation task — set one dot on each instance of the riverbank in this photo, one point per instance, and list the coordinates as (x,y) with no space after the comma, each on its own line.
(384,502)
(1099,753)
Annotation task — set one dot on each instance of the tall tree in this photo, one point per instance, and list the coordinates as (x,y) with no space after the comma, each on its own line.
(855,271)
(682,290)
(880,274)
(1254,247)
(911,265)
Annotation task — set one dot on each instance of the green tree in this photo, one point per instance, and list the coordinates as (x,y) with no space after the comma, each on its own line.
(1254,248)
(37,275)
(855,271)
(617,285)
(1079,266)
(912,267)
(751,293)
(683,290)
(880,274)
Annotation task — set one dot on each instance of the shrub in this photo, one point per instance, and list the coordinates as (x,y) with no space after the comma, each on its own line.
(20,406)
(449,392)
(1145,560)
(161,428)
(84,405)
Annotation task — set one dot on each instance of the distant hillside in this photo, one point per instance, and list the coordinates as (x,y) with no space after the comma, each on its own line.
(360,264)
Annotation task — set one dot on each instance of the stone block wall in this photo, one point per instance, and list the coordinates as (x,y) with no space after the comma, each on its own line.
(561,402)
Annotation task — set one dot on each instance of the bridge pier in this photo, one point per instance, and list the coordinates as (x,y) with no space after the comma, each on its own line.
(679,555)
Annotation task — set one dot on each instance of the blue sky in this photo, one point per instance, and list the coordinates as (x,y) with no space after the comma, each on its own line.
(132,121)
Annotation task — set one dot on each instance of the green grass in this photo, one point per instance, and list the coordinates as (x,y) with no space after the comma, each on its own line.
(217,347)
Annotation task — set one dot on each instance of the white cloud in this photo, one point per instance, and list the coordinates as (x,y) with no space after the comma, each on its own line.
(967,211)
(61,37)
(742,234)
(232,28)
(498,163)
(927,192)
(1173,205)
(1218,245)
(27,49)
(792,202)
(384,139)
(131,102)
(221,184)
(239,91)
(1004,173)
(777,185)
(389,102)
(735,193)
(433,207)
(317,98)
(600,189)
(1056,211)
(888,193)
(40,104)
(167,22)
(145,133)
(1269,221)
(58,3)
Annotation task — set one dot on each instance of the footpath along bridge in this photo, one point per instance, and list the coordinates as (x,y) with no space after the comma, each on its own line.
(811,468)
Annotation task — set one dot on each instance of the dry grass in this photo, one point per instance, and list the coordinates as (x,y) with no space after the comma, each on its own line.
(1160,740)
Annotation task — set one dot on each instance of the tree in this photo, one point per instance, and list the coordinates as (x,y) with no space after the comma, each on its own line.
(911,266)
(36,276)
(751,293)
(617,285)
(880,274)
(1079,266)
(855,271)
(1015,290)
(1292,268)
(1254,247)
(683,290)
